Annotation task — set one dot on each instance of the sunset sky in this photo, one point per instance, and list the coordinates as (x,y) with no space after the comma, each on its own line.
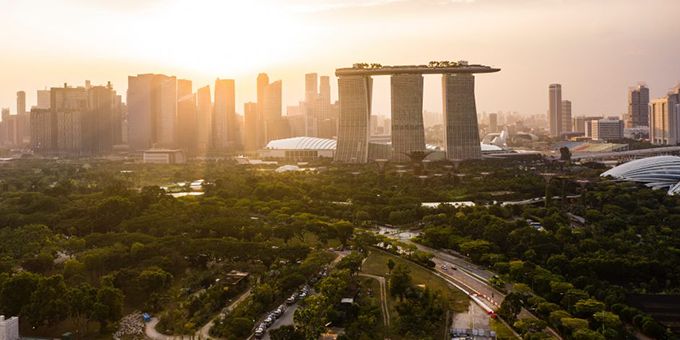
(596,49)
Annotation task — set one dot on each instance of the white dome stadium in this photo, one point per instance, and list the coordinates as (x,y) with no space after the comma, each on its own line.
(659,172)
(302,143)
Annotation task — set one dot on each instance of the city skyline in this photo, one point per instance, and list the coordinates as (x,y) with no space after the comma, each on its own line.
(295,37)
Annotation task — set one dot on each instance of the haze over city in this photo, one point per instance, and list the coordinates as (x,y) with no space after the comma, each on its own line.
(595,49)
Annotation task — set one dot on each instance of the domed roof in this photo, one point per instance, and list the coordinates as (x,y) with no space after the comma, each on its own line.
(656,172)
(301,143)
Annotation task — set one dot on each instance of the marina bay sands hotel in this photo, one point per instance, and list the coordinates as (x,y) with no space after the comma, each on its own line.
(461,133)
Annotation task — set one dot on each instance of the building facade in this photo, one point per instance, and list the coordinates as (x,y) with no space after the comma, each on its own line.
(461,132)
(664,123)
(607,129)
(566,116)
(408,131)
(555,110)
(638,107)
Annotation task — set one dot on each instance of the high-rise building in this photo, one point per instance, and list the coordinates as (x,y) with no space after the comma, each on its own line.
(493,122)
(224,117)
(140,111)
(21,102)
(186,116)
(355,112)
(262,83)
(166,116)
(23,120)
(275,127)
(250,126)
(461,132)
(204,120)
(43,99)
(408,132)
(607,129)
(664,123)
(98,127)
(79,121)
(566,116)
(555,110)
(152,111)
(638,107)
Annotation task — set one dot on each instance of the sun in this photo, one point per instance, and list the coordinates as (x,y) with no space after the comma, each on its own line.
(221,37)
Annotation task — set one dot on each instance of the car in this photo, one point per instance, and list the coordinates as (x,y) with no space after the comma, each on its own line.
(269,320)
(444,267)
(303,295)
(259,332)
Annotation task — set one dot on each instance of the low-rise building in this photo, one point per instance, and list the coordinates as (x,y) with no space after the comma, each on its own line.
(9,328)
(164,156)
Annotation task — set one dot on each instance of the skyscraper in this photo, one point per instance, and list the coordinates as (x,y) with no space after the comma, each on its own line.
(274,124)
(408,132)
(43,99)
(262,83)
(204,120)
(555,110)
(638,106)
(186,116)
(664,123)
(461,132)
(98,128)
(566,116)
(493,122)
(355,112)
(166,116)
(311,107)
(250,126)
(21,103)
(152,111)
(23,120)
(224,117)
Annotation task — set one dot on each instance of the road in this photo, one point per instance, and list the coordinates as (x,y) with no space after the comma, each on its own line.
(383,298)
(287,316)
(203,333)
(467,276)
(285,320)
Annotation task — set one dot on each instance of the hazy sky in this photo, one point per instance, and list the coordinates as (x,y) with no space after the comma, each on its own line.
(595,48)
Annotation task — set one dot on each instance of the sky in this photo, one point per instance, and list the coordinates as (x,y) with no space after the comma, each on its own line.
(595,49)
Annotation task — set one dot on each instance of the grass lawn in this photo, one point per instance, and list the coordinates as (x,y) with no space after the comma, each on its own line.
(374,286)
(376,264)
(502,331)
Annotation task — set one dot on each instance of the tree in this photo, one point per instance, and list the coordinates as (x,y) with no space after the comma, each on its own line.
(400,281)
(16,292)
(529,326)
(390,265)
(48,304)
(565,154)
(344,231)
(287,332)
(108,306)
(588,307)
(311,318)
(511,306)
(81,302)
(475,249)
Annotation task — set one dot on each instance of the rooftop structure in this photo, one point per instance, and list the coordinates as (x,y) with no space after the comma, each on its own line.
(355,87)
(434,67)
(659,172)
